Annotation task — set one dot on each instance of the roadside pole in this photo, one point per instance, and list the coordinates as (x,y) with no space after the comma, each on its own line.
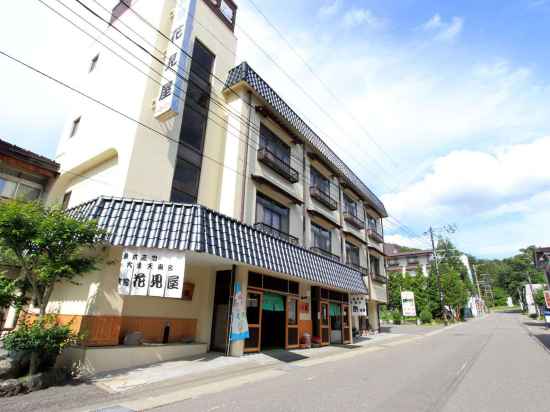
(443,311)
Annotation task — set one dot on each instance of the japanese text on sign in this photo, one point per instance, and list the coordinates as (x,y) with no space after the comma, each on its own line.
(151,272)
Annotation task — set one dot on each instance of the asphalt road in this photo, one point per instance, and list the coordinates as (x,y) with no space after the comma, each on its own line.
(491,364)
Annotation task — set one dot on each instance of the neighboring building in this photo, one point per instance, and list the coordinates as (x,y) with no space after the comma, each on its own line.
(236,188)
(528,291)
(542,261)
(407,262)
(24,175)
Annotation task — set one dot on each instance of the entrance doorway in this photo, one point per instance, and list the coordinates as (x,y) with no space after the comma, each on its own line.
(335,323)
(222,310)
(273,321)
(272,308)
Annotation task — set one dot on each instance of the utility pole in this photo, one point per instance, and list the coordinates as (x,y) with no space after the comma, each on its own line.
(434,250)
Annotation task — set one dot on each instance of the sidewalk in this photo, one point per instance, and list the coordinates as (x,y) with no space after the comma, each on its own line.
(167,382)
(538,330)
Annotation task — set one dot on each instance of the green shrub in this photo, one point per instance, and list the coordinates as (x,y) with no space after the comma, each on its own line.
(43,340)
(396,316)
(426,316)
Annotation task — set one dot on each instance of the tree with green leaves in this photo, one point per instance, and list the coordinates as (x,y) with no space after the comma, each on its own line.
(395,285)
(47,246)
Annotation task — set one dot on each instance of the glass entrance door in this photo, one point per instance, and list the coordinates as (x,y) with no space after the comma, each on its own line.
(336,323)
(254,317)
(346,330)
(325,324)
(292,338)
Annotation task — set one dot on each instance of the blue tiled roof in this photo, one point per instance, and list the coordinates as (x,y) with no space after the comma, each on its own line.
(243,72)
(177,226)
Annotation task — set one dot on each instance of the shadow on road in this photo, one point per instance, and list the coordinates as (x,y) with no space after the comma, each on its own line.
(284,356)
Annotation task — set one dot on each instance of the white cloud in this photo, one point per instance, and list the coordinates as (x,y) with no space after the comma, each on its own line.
(480,188)
(434,23)
(363,17)
(444,31)
(329,9)
(417,243)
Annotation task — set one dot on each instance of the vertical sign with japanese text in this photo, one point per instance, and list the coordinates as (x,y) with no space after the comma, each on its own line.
(174,78)
(407,303)
(151,272)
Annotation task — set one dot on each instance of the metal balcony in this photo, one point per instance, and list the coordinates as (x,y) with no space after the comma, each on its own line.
(373,233)
(354,220)
(278,165)
(324,253)
(359,268)
(323,198)
(262,227)
(377,277)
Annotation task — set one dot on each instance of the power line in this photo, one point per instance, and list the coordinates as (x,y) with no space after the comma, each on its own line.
(132,10)
(319,79)
(305,177)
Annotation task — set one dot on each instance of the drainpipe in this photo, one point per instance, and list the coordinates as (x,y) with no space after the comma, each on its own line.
(245,174)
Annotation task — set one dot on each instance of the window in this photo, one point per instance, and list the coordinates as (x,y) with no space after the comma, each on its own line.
(13,189)
(271,142)
(271,213)
(185,186)
(321,238)
(93,63)
(350,206)
(28,193)
(66,200)
(375,265)
(373,223)
(7,188)
(320,181)
(119,9)
(76,124)
(352,254)
(197,100)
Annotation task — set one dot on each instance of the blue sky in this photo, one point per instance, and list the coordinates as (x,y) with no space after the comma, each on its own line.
(451,99)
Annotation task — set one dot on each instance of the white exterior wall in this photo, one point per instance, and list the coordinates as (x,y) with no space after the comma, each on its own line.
(103,135)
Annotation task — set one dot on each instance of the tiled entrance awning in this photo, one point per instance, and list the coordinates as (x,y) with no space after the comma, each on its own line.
(176,226)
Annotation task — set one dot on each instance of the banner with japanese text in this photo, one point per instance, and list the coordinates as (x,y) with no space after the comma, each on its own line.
(151,272)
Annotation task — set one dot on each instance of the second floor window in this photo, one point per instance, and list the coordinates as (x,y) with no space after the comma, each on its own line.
(320,181)
(350,206)
(352,254)
(321,238)
(271,214)
(375,265)
(269,141)
(373,224)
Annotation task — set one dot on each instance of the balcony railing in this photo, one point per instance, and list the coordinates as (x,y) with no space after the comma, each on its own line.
(354,220)
(280,166)
(323,197)
(324,253)
(378,277)
(373,233)
(364,271)
(262,227)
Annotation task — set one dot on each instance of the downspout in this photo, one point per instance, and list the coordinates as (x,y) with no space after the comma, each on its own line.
(305,195)
(245,174)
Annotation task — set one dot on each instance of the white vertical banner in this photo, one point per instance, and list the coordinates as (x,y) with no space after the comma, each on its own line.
(175,276)
(172,88)
(152,272)
(140,278)
(358,305)
(126,272)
